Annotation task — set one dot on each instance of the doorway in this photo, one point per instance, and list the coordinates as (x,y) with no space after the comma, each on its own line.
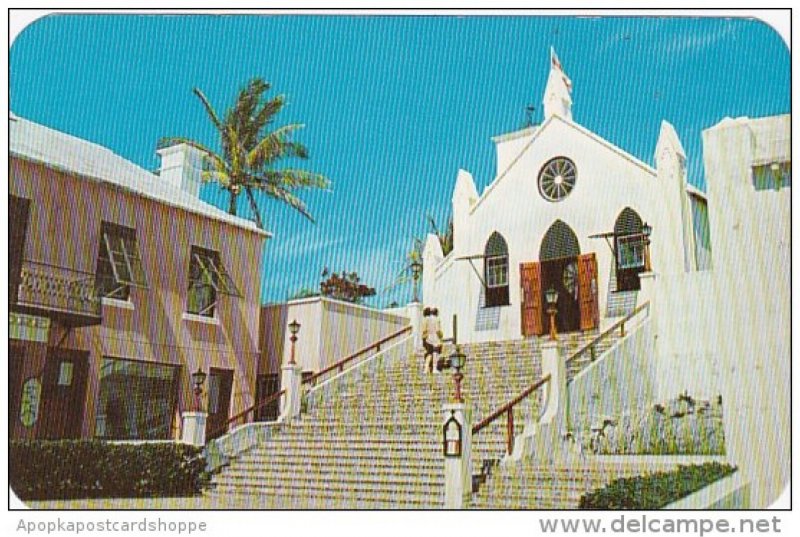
(562,275)
(63,394)
(558,255)
(220,383)
(266,386)
(561,267)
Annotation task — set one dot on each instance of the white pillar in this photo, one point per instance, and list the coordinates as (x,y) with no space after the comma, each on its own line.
(458,470)
(291,376)
(647,292)
(545,440)
(414,312)
(555,406)
(194,428)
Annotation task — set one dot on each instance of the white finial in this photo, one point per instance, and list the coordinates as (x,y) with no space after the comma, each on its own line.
(557,98)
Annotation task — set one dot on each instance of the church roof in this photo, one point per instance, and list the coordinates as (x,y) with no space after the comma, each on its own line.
(60,151)
(537,131)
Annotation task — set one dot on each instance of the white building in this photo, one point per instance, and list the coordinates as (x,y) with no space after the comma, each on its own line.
(566,211)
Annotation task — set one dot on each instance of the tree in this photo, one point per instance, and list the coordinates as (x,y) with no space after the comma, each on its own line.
(445,236)
(346,286)
(411,262)
(250,151)
(413,259)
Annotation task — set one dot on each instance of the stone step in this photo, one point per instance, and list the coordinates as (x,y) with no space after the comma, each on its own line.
(354,489)
(541,504)
(330,480)
(286,500)
(313,464)
(430,452)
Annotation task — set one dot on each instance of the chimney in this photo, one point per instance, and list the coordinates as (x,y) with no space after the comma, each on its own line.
(182,167)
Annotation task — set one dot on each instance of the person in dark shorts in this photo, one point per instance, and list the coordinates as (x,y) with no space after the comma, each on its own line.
(432,338)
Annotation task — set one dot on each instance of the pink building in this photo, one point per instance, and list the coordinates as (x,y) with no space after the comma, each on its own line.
(123,283)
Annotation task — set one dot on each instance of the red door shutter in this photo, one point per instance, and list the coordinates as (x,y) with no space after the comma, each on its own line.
(587,291)
(531,282)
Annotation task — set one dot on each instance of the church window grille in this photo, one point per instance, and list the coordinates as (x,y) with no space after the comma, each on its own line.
(559,241)
(557,179)
(496,271)
(629,250)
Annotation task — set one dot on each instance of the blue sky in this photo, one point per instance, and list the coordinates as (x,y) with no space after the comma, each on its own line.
(393,106)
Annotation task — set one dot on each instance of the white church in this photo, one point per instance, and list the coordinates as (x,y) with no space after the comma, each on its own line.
(570,212)
(567,210)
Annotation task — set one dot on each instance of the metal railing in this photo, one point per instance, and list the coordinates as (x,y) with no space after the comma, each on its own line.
(58,289)
(339,367)
(591,347)
(242,417)
(508,410)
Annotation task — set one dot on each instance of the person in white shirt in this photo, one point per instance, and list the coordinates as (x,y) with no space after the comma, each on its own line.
(431,338)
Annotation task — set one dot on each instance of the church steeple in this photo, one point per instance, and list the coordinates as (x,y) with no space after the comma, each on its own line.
(557,99)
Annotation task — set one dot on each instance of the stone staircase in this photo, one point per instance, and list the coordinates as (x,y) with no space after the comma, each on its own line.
(376,443)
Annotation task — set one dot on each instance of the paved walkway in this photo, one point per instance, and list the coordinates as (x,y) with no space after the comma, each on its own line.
(183,504)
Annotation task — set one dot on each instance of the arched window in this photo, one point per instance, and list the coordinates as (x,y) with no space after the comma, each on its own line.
(629,242)
(495,271)
(559,241)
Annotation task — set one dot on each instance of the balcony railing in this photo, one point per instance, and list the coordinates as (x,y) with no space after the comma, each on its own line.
(61,292)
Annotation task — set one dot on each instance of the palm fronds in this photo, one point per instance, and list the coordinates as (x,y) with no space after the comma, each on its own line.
(250,151)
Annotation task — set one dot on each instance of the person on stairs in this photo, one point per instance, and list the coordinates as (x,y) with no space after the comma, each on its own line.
(432,337)
(427,363)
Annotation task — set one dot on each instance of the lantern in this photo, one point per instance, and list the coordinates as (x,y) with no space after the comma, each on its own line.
(452,436)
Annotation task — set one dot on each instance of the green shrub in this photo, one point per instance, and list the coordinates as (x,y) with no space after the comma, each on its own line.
(656,490)
(68,469)
(682,426)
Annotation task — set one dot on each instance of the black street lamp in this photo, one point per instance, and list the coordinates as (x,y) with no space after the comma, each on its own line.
(551,295)
(416,271)
(647,229)
(198,379)
(457,361)
(294,328)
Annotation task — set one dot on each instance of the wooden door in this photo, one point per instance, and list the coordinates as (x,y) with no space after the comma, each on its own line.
(220,382)
(266,386)
(587,291)
(63,394)
(18,209)
(531,283)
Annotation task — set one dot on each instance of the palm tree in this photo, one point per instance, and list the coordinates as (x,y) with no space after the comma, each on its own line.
(445,236)
(411,269)
(250,151)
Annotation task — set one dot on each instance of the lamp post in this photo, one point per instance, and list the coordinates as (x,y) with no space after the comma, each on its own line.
(647,229)
(198,379)
(416,270)
(457,361)
(551,295)
(294,328)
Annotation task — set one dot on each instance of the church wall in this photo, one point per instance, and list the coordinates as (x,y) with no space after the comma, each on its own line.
(688,333)
(751,241)
(606,183)
(510,145)
(622,382)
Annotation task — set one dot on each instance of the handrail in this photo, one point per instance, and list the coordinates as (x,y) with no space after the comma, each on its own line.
(60,267)
(508,409)
(312,379)
(589,347)
(257,406)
